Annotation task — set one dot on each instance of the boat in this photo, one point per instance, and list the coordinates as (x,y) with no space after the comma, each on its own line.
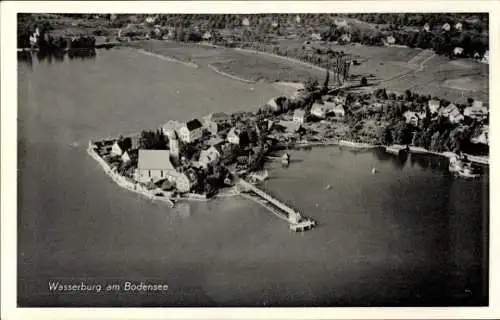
(462,168)
(285,159)
(374,170)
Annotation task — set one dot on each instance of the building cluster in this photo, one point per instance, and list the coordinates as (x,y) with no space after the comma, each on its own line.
(476,111)
(207,149)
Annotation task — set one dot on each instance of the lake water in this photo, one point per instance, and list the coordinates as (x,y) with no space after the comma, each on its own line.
(411,235)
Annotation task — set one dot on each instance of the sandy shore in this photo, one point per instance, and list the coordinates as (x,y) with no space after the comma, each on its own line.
(167,58)
(229,75)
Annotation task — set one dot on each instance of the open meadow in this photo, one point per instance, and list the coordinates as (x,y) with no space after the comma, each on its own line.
(394,68)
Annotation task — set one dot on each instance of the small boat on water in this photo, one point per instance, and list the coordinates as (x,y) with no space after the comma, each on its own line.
(462,168)
(374,170)
(285,159)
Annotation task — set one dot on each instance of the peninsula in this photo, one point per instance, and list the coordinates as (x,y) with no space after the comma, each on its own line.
(224,154)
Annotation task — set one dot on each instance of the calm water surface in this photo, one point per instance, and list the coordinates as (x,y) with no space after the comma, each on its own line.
(410,235)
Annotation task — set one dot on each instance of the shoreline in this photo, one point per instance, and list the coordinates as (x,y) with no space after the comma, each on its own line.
(292,60)
(122,181)
(138,189)
(167,58)
(225,74)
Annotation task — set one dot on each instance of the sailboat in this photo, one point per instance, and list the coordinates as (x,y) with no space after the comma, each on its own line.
(285,159)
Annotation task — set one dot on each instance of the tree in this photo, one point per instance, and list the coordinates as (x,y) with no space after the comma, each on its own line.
(311,85)
(327,80)
(386,136)
(364,81)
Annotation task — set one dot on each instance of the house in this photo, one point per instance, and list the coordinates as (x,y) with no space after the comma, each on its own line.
(191,131)
(235,136)
(341,23)
(209,156)
(486,57)
(316,36)
(186,181)
(336,110)
(434,106)
(414,118)
(452,113)
(290,126)
(297,19)
(154,165)
(458,26)
(216,141)
(476,111)
(446,27)
(346,38)
(391,40)
(458,51)
(116,150)
(299,116)
(339,100)
(150,20)
(125,157)
(171,128)
(427,27)
(215,121)
(318,110)
(273,104)
(207,36)
(274,24)
(245,22)
(34,37)
(483,137)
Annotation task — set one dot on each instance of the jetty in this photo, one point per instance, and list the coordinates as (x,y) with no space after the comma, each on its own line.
(293,217)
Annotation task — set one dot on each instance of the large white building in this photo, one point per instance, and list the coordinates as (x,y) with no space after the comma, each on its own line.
(154,165)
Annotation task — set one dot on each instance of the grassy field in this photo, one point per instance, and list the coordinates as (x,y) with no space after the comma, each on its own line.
(394,68)
(454,80)
(241,64)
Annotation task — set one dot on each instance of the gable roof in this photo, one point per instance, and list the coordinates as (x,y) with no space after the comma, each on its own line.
(154,159)
(171,125)
(299,113)
(193,124)
(217,117)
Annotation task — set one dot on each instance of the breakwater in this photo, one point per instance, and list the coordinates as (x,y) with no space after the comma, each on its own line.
(274,205)
(476,159)
(355,144)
